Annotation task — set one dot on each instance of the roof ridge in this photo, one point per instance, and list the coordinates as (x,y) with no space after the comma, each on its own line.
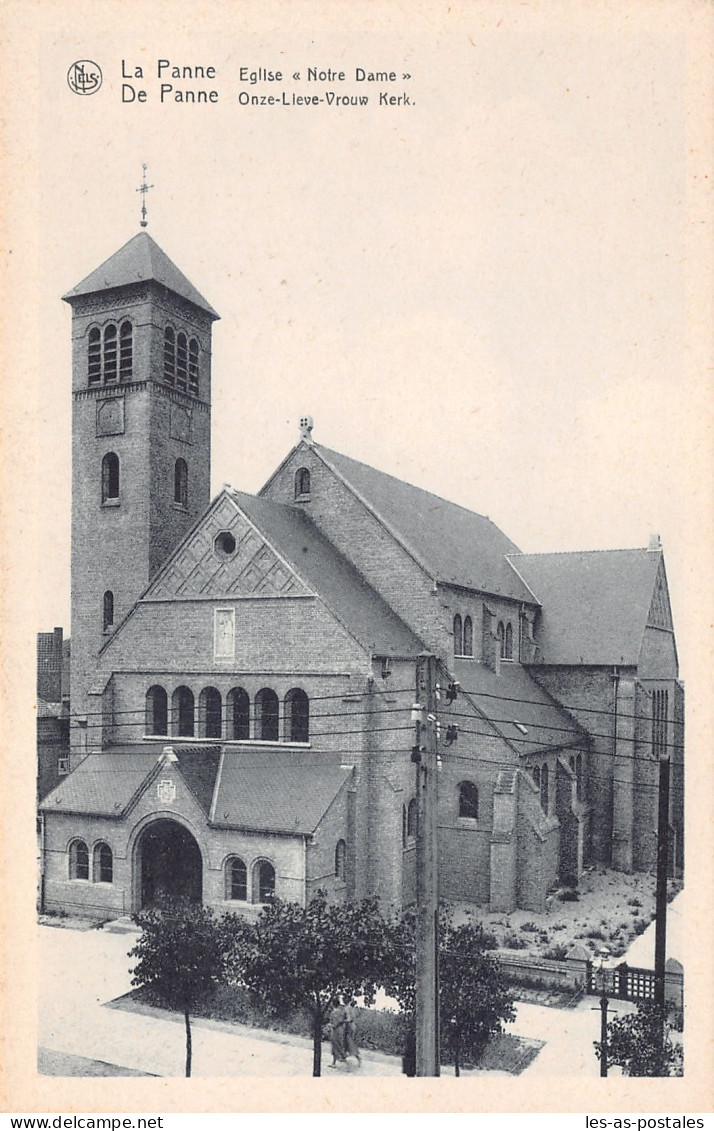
(565,553)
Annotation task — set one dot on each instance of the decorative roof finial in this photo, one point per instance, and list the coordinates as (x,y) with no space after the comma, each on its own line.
(306,426)
(143,189)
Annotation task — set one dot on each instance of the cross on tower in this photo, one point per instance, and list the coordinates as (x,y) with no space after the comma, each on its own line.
(143,189)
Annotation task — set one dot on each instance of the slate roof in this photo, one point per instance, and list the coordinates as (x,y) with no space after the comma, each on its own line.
(344,590)
(102,784)
(141,259)
(261,789)
(515,697)
(289,798)
(455,545)
(594,604)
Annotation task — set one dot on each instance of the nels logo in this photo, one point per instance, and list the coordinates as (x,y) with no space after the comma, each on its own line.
(84,77)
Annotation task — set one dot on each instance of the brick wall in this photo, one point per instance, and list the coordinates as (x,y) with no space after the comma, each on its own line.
(363,540)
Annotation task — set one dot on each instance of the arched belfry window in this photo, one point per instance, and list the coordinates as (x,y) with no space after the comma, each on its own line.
(468,800)
(508,642)
(169,356)
(94,357)
(302,482)
(181,482)
(181,362)
(108,610)
(297,716)
(109,354)
(110,477)
(193,367)
(126,351)
(458,636)
(468,637)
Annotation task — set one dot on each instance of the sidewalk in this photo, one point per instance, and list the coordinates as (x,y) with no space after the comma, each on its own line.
(83,971)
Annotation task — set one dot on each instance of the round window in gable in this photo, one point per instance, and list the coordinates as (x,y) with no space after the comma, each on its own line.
(224,544)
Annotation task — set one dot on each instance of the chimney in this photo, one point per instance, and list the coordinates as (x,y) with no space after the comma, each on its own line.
(306,426)
(655,543)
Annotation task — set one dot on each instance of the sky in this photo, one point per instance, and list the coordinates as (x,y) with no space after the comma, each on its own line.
(486,292)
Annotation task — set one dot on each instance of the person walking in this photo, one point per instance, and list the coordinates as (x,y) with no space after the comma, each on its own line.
(351,1047)
(338,1026)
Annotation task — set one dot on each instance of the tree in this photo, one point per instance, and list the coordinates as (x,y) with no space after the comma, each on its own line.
(301,957)
(181,956)
(474,998)
(641,1043)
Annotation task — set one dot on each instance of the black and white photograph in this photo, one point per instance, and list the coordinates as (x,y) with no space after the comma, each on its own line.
(357,550)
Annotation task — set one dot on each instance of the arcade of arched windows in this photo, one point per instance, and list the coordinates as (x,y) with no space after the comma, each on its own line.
(249,885)
(110,353)
(234,717)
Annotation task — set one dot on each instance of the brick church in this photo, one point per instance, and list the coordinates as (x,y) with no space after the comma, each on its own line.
(243,668)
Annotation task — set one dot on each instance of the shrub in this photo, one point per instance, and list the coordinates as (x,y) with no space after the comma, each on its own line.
(596,933)
(512,941)
(558,951)
(568,896)
(640,925)
(529,926)
(634,902)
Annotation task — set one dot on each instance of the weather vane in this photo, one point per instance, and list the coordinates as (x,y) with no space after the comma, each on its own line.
(143,189)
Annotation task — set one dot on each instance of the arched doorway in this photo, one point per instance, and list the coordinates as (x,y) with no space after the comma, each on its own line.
(169,864)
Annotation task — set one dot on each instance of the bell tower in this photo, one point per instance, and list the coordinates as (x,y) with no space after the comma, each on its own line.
(141,443)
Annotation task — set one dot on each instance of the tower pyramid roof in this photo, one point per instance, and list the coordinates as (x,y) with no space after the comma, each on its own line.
(140,260)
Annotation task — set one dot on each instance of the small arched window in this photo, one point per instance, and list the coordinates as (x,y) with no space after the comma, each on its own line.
(501,636)
(157,710)
(468,800)
(263,881)
(109,354)
(508,642)
(458,636)
(579,776)
(78,860)
(302,482)
(236,879)
(404,826)
(193,367)
(103,864)
(182,712)
(210,713)
(544,787)
(94,357)
(238,714)
(108,610)
(340,858)
(181,482)
(468,637)
(181,362)
(297,716)
(535,774)
(412,818)
(169,356)
(126,351)
(110,477)
(267,714)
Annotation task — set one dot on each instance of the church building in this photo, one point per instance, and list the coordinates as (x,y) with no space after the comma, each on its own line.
(243,668)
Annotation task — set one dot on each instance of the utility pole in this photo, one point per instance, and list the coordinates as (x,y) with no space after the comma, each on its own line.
(661,897)
(424,754)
